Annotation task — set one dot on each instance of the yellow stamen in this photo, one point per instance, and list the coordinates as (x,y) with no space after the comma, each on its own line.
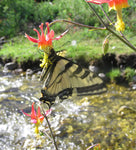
(45,61)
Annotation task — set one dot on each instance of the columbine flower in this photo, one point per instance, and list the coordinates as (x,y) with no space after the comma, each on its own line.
(116,5)
(37,119)
(45,41)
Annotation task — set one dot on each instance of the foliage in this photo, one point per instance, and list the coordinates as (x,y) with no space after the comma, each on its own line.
(72,10)
(113,74)
(129,73)
(21,16)
(13,17)
(19,49)
(44,12)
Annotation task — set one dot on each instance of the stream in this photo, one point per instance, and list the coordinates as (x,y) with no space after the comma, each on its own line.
(108,119)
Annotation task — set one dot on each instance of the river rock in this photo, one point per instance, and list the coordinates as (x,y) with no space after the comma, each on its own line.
(29,72)
(93,69)
(18,71)
(10,66)
(126,110)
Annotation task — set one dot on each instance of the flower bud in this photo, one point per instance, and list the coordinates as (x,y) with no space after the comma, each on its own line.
(105,46)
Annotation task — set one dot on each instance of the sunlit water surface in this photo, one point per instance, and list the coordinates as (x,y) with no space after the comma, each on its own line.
(77,123)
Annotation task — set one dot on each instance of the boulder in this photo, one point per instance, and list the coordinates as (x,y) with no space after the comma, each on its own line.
(10,66)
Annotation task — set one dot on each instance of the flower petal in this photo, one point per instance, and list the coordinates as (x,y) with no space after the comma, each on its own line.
(26,114)
(98,1)
(48,29)
(50,34)
(31,38)
(58,37)
(33,121)
(42,33)
(48,112)
(33,113)
(41,118)
(37,33)
(39,112)
(118,4)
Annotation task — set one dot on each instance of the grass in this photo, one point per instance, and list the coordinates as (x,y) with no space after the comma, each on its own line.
(88,45)
(129,73)
(113,74)
(19,49)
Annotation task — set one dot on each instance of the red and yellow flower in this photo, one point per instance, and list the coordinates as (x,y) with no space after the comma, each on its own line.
(116,5)
(45,41)
(36,118)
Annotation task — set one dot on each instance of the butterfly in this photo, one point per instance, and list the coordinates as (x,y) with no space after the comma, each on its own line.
(62,77)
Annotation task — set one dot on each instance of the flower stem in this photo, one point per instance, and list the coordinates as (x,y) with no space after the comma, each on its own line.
(76,23)
(49,126)
(106,15)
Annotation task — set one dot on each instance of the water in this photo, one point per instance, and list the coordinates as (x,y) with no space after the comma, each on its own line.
(77,123)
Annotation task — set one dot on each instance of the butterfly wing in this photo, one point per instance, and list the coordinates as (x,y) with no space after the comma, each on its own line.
(62,77)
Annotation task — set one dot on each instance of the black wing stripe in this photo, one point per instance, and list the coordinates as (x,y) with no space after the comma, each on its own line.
(91,90)
(78,70)
(86,73)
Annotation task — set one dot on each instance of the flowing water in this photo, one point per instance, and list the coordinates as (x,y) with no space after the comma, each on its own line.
(77,123)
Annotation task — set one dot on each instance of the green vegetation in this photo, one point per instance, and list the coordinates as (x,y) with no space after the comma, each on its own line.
(21,16)
(20,48)
(114,74)
(129,73)
(78,42)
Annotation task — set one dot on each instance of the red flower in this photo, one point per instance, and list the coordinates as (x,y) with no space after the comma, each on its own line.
(118,4)
(44,40)
(36,118)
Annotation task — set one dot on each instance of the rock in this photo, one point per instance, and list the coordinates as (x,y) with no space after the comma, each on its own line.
(93,69)
(18,71)
(29,72)
(134,78)
(10,66)
(2,40)
(126,110)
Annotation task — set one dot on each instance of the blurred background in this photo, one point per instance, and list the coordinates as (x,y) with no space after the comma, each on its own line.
(17,17)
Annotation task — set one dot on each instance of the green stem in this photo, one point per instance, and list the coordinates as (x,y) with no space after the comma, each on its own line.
(49,126)
(106,14)
(122,39)
(100,19)
(78,24)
